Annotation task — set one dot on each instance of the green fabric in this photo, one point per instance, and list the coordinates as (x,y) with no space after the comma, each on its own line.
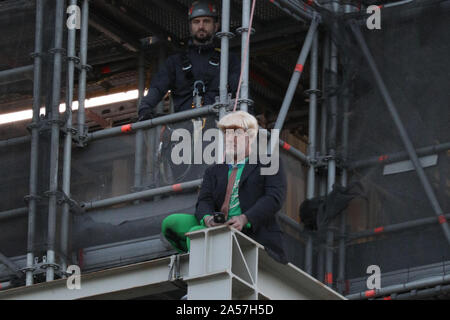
(235,207)
(174,228)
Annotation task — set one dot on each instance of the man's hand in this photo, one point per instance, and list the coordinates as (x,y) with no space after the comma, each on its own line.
(238,222)
(209,222)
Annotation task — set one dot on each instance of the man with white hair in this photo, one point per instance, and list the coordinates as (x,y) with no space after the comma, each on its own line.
(236,192)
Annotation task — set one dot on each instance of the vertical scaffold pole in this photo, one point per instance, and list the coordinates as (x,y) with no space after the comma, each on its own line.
(83,71)
(34,141)
(310,189)
(65,216)
(54,148)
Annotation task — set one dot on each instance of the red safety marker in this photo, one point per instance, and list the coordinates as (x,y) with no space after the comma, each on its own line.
(369,293)
(380,6)
(299,67)
(126,128)
(106,70)
(177,187)
(286,146)
(329,278)
(80,258)
(272,1)
(379,230)
(387,298)
(382,158)
(442,219)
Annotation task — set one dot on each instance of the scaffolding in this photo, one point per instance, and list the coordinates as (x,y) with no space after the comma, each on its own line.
(325,161)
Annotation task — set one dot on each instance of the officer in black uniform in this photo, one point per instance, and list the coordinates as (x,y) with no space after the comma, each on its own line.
(200,64)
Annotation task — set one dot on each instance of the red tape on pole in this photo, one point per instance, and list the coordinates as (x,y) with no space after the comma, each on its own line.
(177,187)
(329,278)
(299,68)
(387,298)
(80,258)
(286,146)
(379,230)
(442,219)
(126,128)
(369,293)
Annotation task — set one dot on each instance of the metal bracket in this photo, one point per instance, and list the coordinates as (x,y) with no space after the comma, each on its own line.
(309,92)
(37,54)
(73,58)
(36,125)
(80,139)
(86,67)
(322,161)
(241,29)
(250,102)
(29,197)
(57,50)
(230,35)
(74,206)
(61,198)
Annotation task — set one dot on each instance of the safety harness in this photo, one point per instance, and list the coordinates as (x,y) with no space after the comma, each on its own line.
(208,75)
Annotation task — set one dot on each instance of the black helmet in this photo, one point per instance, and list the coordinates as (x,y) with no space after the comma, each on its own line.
(202,8)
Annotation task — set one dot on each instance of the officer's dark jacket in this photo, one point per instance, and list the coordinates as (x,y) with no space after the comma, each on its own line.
(260,197)
(171,76)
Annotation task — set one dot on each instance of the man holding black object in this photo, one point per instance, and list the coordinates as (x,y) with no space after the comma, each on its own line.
(235,192)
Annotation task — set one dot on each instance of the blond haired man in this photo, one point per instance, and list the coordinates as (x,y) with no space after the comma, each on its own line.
(235,193)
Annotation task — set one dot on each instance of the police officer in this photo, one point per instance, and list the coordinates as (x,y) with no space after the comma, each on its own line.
(198,65)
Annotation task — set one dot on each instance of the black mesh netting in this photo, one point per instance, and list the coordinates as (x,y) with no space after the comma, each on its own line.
(411,52)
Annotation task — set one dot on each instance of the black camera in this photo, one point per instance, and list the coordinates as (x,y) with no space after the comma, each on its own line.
(219,217)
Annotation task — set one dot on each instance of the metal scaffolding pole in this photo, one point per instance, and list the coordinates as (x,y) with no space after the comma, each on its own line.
(14,141)
(409,286)
(398,156)
(344,180)
(402,131)
(139,142)
(296,74)
(170,118)
(83,70)
(420,293)
(14,213)
(311,187)
(54,149)
(294,9)
(394,227)
(332,162)
(10,265)
(245,55)
(16,74)
(67,160)
(225,36)
(5,285)
(323,146)
(142,195)
(34,141)
(323,111)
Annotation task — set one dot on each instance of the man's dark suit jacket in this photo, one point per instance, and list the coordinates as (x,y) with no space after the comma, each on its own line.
(260,197)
